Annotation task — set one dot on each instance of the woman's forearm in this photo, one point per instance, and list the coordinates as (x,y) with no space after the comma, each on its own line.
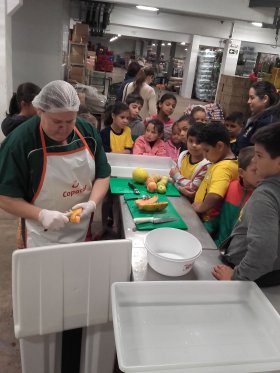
(19,207)
(99,189)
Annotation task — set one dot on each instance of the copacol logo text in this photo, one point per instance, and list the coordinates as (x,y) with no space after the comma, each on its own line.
(76,189)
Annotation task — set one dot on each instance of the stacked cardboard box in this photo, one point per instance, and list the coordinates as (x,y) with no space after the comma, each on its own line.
(80,33)
(77,53)
(77,73)
(232,94)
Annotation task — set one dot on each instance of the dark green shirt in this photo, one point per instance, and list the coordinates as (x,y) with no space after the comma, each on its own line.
(21,157)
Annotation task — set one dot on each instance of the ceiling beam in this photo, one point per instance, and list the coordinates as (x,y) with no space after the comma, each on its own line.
(264,3)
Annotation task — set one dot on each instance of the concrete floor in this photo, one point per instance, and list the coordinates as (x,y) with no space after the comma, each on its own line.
(9,346)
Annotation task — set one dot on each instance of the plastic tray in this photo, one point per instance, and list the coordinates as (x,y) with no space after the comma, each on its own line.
(195,326)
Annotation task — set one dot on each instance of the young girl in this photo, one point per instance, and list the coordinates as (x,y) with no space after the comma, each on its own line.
(116,136)
(191,166)
(184,123)
(173,144)
(198,114)
(150,143)
(20,108)
(166,106)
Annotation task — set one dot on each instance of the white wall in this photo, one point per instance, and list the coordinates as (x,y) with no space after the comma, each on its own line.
(5,62)
(37,41)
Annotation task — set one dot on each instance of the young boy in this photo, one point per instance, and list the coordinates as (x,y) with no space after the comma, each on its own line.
(135,122)
(237,195)
(234,124)
(253,249)
(191,165)
(215,142)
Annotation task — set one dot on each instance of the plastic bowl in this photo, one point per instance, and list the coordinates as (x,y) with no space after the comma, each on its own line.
(171,251)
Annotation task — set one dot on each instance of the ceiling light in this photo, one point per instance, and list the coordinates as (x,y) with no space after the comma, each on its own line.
(186,49)
(257,24)
(163,44)
(183,43)
(168,43)
(153,45)
(113,39)
(119,35)
(149,8)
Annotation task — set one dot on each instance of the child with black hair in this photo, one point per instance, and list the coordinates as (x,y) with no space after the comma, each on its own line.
(151,143)
(238,193)
(191,165)
(184,123)
(135,122)
(234,123)
(198,114)
(215,142)
(20,108)
(253,250)
(165,107)
(116,136)
(174,143)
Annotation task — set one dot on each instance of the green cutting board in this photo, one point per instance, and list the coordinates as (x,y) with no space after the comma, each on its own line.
(119,185)
(168,212)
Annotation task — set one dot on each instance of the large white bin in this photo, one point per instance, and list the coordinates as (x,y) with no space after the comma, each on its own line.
(195,326)
(122,165)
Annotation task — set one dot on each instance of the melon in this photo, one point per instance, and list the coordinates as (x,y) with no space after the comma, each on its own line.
(142,202)
(139,175)
(153,207)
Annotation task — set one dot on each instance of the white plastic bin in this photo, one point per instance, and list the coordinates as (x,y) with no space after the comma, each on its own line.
(195,326)
(123,164)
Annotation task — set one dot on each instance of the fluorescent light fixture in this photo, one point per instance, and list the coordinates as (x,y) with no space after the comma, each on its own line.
(153,45)
(168,43)
(183,43)
(113,39)
(119,35)
(163,44)
(257,24)
(149,8)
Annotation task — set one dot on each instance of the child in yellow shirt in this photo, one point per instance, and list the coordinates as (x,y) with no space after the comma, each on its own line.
(215,141)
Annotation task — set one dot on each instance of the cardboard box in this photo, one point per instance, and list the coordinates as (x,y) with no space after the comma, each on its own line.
(80,33)
(82,97)
(77,53)
(77,73)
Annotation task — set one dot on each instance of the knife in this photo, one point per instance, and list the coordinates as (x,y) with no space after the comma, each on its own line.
(133,187)
(153,220)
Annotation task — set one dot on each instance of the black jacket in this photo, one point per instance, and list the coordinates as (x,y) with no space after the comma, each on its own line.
(12,122)
(253,124)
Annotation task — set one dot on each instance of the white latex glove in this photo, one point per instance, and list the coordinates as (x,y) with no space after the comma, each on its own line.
(52,220)
(88,208)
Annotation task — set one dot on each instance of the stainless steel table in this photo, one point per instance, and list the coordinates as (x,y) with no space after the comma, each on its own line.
(141,271)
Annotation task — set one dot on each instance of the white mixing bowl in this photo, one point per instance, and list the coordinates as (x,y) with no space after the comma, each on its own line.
(172,251)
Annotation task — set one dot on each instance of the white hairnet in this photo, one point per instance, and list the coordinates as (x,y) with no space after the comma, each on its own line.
(57,96)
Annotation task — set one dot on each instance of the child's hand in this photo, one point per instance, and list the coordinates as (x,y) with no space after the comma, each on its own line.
(173,171)
(196,206)
(189,193)
(222,272)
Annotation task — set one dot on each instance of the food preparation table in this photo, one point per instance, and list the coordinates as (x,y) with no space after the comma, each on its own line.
(141,271)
